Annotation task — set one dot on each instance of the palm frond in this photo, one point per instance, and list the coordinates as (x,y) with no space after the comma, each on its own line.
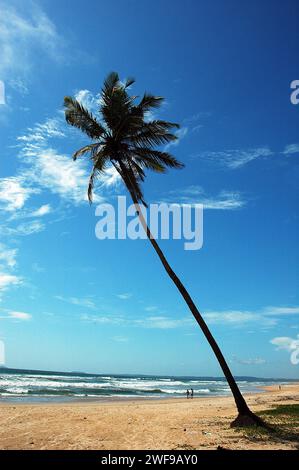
(78,116)
(162,158)
(149,101)
(153,133)
(88,148)
(98,169)
(110,82)
(148,163)
(129,82)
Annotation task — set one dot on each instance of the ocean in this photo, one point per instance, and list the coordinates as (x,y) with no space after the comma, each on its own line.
(19,385)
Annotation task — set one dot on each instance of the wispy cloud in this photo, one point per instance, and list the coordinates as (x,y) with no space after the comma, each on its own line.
(197,117)
(291,149)
(180,133)
(103,319)
(225,200)
(251,361)
(48,169)
(24,229)
(163,322)
(41,211)
(8,263)
(285,343)
(264,317)
(24,35)
(196,120)
(7,280)
(235,158)
(14,192)
(281,311)
(37,268)
(8,256)
(20,316)
(151,308)
(19,85)
(152,322)
(81,302)
(88,100)
(120,339)
(124,296)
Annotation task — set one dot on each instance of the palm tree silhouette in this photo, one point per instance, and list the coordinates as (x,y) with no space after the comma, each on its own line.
(126,139)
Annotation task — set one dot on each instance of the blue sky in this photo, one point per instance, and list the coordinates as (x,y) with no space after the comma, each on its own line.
(72,302)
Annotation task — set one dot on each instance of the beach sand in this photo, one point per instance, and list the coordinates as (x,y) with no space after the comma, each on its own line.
(172,424)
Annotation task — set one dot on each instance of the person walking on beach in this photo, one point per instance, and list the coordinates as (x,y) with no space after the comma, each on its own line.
(192,392)
(188,393)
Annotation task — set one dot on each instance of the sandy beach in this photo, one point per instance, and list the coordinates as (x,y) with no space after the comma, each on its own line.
(201,423)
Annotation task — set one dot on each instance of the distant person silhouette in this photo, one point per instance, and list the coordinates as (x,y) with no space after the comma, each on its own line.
(188,393)
(192,392)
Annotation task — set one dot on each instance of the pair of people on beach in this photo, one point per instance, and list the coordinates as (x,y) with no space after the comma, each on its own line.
(190,393)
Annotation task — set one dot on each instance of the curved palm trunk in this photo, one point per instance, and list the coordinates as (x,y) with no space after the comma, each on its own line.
(245,415)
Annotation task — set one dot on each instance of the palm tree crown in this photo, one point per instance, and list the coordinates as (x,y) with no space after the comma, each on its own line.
(124,137)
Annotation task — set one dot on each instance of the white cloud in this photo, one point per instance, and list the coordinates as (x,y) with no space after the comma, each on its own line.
(7,280)
(151,308)
(236,158)
(25,33)
(153,322)
(120,339)
(14,193)
(250,362)
(41,211)
(264,317)
(163,323)
(8,256)
(19,85)
(225,200)
(59,174)
(110,178)
(81,302)
(291,149)
(234,318)
(88,100)
(20,315)
(103,319)
(273,311)
(286,343)
(124,296)
(197,128)
(197,116)
(37,268)
(8,263)
(49,169)
(180,133)
(24,229)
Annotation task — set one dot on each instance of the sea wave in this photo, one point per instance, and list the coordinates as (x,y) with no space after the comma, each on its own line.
(41,385)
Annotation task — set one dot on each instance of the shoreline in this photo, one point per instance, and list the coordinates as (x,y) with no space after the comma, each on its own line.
(69,400)
(118,400)
(173,423)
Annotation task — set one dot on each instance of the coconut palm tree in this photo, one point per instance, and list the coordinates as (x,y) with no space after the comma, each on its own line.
(125,138)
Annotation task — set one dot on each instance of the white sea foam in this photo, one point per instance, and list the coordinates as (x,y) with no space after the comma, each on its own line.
(52,385)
